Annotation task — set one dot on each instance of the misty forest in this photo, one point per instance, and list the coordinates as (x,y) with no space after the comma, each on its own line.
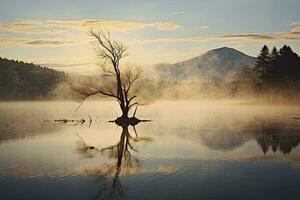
(151,100)
(272,77)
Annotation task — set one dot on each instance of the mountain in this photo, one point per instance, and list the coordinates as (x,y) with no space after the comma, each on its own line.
(27,81)
(214,65)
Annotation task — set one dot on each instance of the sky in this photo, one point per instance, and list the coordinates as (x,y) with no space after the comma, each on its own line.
(55,33)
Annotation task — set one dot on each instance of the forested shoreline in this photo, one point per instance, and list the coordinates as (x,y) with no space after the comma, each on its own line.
(27,81)
(275,78)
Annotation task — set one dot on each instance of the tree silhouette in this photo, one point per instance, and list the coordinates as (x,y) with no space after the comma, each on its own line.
(278,73)
(262,65)
(118,83)
(288,65)
(274,54)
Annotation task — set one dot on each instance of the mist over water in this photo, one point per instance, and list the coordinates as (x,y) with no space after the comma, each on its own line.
(149,100)
(190,149)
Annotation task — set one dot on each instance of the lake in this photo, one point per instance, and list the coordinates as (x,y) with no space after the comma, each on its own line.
(190,150)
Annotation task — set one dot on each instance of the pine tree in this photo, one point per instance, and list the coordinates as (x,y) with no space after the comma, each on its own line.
(262,65)
(286,51)
(288,64)
(274,54)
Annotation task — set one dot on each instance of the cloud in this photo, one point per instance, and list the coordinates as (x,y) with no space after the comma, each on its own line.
(296,30)
(166,26)
(88,24)
(294,24)
(29,27)
(165,40)
(294,34)
(180,12)
(52,27)
(246,37)
(34,42)
(204,27)
(58,26)
(48,42)
(111,25)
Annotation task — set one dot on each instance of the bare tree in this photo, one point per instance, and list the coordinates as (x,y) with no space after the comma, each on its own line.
(118,82)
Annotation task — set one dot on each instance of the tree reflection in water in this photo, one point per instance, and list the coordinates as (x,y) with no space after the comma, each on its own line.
(122,152)
(278,136)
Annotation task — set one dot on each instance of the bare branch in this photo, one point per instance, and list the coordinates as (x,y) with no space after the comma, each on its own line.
(135,110)
(86,94)
(115,84)
(130,106)
(131,99)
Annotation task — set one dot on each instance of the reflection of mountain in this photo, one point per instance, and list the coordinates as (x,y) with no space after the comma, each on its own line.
(214,65)
(269,136)
(222,140)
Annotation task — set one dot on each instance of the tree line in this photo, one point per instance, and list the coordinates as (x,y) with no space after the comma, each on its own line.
(275,76)
(280,69)
(27,81)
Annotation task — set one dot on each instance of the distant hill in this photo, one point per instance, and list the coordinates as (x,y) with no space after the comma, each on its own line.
(27,81)
(214,65)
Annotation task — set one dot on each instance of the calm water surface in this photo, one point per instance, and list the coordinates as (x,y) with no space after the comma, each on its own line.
(191,150)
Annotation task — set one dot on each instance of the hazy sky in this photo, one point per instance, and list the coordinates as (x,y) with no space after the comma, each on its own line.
(155,31)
